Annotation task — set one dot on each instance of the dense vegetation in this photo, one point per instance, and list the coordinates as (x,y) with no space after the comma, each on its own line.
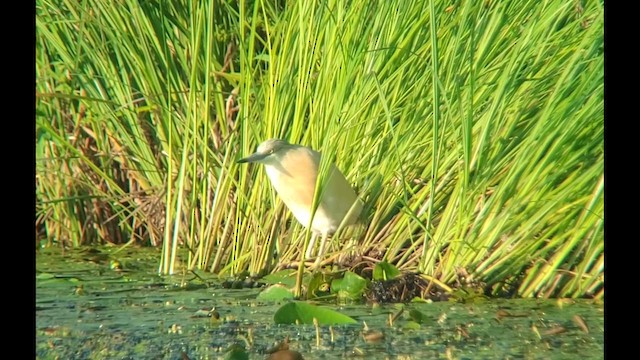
(472,130)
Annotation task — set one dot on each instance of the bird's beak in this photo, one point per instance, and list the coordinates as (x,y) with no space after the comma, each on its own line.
(252,158)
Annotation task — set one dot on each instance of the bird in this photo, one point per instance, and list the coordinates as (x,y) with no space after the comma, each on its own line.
(293,171)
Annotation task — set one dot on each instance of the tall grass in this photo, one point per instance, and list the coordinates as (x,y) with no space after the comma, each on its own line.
(473,131)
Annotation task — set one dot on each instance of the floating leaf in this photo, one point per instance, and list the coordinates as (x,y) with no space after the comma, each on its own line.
(303,313)
(384,271)
(417,316)
(286,277)
(236,352)
(411,325)
(351,286)
(276,292)
(45,276)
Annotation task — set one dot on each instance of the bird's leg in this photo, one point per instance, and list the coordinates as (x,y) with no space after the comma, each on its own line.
(323,242)
(312,243)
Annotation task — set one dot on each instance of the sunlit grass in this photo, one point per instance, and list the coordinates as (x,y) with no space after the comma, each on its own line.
(488,160)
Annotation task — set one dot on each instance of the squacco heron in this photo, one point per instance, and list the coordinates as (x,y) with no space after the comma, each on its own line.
(293,171)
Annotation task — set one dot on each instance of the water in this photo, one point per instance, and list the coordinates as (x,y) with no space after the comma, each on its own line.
(87,310)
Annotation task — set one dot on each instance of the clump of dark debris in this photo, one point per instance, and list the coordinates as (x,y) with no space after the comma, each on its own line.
(404,289)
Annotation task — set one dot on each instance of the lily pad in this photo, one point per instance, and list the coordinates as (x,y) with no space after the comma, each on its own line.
(417,316)
(351,286)
(276,293)
(384,271)
(236,352)
(286,277)
(303,313)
